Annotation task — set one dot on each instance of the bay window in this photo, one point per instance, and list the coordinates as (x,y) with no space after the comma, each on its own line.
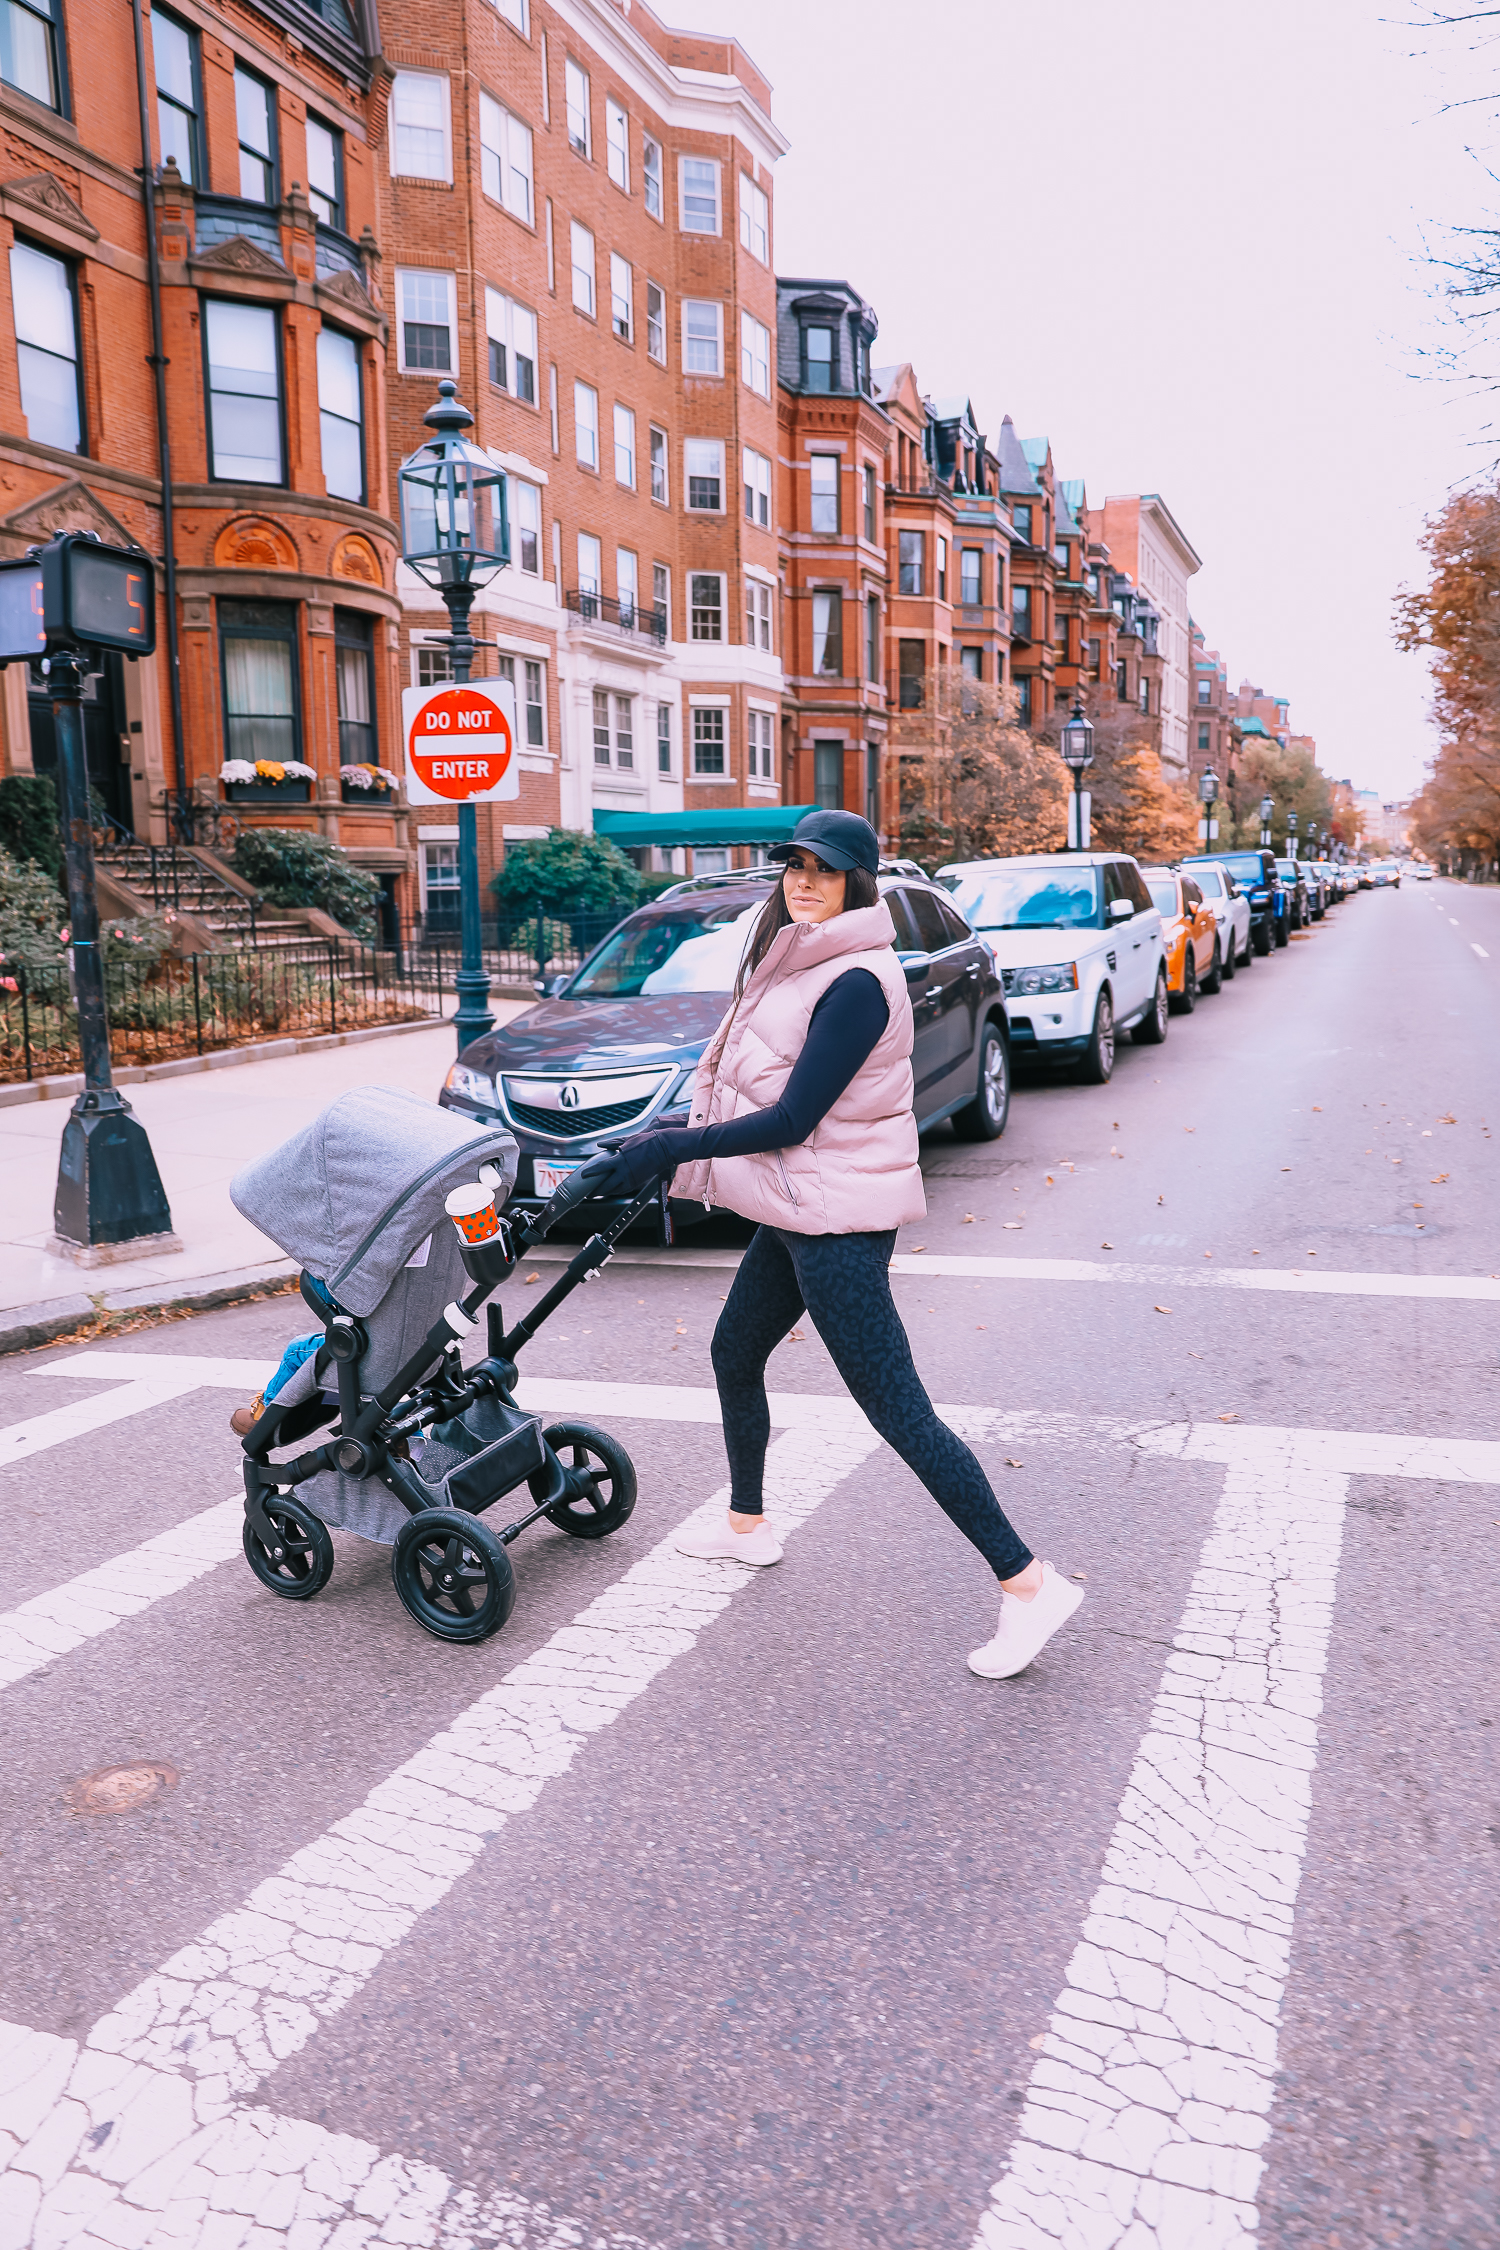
(339,415)
(242,350)
(258,654)
(419,125)
(828,632)
(354,660)
(255,122)
(45,310)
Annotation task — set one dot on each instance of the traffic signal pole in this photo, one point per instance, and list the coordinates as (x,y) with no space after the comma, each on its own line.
(110,1203)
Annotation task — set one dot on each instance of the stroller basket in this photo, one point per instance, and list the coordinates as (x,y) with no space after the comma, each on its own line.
(420,1445)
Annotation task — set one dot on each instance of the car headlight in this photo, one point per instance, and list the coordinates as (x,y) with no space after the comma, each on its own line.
(471,1085)
(1061,977)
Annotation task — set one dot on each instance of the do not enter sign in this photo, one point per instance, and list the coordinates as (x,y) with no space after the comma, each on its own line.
(461,743)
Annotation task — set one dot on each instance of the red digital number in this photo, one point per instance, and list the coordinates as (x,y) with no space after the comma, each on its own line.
(133,579)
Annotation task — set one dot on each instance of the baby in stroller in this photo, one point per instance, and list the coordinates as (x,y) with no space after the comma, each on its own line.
(392,1207)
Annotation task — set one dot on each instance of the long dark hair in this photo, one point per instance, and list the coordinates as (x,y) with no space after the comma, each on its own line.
(860,889)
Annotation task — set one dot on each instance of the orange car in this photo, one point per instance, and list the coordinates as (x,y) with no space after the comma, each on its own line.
(1189,935)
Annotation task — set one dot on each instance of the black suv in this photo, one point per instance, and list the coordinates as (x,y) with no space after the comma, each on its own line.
(1255,873)
(612,1047)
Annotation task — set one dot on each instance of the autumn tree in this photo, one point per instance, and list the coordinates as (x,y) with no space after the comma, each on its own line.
(1456,617)
(974,783)
(1264,767)
(1133,806)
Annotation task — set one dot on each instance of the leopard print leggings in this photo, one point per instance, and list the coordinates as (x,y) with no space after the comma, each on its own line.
(843,1282)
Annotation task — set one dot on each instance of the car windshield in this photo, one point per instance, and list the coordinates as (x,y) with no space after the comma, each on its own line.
(694,948)
(1163,893)
(1028,898)
(1246,867)
(1288,870)
(1210,882)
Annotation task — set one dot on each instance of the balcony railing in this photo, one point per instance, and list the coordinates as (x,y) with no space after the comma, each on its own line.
(628,619)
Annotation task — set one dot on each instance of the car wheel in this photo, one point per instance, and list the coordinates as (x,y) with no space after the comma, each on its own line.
(1214,981)
(1184,1002)
(1153,1030)
(983,1119)
(1229,963)
(1097,1066)
(1260,939)
(1283,934)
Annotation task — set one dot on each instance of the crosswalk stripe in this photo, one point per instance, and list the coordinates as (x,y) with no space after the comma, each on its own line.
(220,2015)
(149,1383)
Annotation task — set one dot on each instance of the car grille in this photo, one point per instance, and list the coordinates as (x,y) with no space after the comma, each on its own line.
(573,1124)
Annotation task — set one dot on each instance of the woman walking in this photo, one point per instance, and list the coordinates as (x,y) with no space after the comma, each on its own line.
(802,1120)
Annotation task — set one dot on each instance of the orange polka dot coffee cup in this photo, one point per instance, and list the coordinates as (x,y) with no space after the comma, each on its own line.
(472,1210)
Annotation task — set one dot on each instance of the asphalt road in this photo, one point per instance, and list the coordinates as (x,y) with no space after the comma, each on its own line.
(787,1952)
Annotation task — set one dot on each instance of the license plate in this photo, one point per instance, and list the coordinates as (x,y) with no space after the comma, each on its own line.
(550,1177)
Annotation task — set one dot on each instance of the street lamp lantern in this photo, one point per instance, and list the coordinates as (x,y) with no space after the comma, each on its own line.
(1077,746)
(1267,807)
(1208,785)
(455,534)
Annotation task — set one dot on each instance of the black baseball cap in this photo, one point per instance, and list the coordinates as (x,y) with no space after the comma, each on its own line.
(840,839)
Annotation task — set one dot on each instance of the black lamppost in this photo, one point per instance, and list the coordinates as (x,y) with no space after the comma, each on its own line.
(455,534)
(1291,835)
(1267,807)
(1208,790)
(1078,755)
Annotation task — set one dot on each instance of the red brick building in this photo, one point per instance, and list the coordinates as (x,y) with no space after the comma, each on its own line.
(577,220)
(260,158)
(1027,487)
(833,443)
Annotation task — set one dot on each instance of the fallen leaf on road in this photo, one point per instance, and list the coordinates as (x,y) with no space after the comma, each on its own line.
(1011,1226)
(968,1218)
(979,1325)
(1190,1128)
(1115,1152)
(1163,1308)
(1014,1464)
(1317,1109)
(1447,1120)
(796,1337)
(1079,1574)
(1208,1253)
(1426,1133)
(1050,1181)
(1438,1178)
(1229,1417)
(1161,1199)
(1106,1246)
(537,1277)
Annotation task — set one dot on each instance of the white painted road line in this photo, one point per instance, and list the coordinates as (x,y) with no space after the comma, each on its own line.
(1479,949)
(1292,1280)
(144,1383)
(220,2015)
(1148,2106)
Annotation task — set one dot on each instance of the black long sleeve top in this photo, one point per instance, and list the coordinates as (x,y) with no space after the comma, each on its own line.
(841,1036)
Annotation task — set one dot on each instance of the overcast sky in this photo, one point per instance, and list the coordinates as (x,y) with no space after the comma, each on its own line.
(1184,239)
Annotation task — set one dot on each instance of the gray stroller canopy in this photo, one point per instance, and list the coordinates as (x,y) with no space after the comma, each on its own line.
(357,1191)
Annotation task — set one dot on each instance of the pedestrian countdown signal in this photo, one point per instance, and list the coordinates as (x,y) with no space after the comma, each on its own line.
(77,592)
(461,743)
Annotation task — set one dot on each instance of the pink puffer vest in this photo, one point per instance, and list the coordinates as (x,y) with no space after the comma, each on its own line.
(859,1173)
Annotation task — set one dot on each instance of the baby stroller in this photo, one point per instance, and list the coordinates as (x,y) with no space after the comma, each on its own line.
(392,1208)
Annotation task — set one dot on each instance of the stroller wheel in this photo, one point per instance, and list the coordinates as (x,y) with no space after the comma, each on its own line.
(601,1481)
(453,1575)
(304,1564)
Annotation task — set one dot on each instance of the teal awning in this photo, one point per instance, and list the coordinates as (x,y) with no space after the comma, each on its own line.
(735,824)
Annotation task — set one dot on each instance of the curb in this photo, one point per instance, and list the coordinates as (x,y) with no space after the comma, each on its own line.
(222,1058)
(24,1327)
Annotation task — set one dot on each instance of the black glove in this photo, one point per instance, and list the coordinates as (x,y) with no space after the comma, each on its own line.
(620,1174)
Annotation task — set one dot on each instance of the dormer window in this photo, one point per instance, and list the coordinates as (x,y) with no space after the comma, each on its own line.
(820,359)
(862,363)
(1020,516)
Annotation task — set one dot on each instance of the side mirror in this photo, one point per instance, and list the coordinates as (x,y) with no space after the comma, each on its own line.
(915,964)
(1120,909)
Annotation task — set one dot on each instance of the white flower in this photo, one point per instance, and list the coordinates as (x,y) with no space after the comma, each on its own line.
(237,769)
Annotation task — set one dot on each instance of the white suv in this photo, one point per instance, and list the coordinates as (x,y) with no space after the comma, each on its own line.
(1078,945)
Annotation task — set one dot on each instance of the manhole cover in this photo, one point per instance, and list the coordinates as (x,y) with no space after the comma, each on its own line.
(123,1788)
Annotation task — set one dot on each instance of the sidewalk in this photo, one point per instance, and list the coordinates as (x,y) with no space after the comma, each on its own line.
(203,1128)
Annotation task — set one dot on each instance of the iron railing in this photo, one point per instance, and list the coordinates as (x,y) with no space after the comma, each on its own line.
(625,617)
(525,946)
(193,1004)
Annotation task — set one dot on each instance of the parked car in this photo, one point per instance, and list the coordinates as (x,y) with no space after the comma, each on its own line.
(1190,937)
(612,1048)
(1231,912)
(1422,871)
(1077,940)
(1298,912)
(1385,875)
(1317,889)
(1255,873)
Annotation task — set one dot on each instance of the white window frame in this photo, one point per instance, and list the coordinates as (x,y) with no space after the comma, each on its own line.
(426,273)
(656,324)
(757,614)
(429,78)
(525,521)
(760,737)
(585,424)
(502,319)
(628,578)
(716,447)
(653,178)
(702,714)
(578,234)
(533,675)
(755,219)
(587,539)
(514,12)
(577,99)
(661,591)
(617,142)
(660,451)
(664,738)
(715,167)
(755,354)
(624,422)
(755,483)
(621,297)
(506,158)
(714,305)
(824,462)
(707,640)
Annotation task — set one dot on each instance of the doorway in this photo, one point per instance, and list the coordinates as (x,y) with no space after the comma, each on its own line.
(106,736)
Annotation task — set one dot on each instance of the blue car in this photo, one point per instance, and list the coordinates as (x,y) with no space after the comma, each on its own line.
(612,1048)
(1256,874)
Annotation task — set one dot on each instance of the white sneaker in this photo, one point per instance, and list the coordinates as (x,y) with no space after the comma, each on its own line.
(715,1542)
(1025,1628)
